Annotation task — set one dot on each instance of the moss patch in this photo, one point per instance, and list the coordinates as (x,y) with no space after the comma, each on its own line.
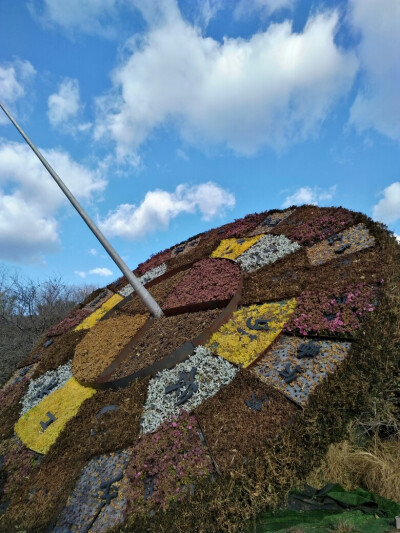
(232,248)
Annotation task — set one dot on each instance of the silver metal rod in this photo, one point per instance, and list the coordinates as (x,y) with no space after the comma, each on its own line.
(143,293)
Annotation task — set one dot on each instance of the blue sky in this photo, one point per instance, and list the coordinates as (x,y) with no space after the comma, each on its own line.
(167,118)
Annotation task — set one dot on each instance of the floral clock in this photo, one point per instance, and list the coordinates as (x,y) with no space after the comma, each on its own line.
(116,416)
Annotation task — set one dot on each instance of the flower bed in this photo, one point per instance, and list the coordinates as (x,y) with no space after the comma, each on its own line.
(232,248)
(184,247)
(165,465)
(155,261)
(60,352)
(163,337)
(91,320)
(64,403)
(10,397)
(240,227)
(69,322)
(103,343)
(211,373)
(239,343)
(41,387)
(326,313)
(360,267)
(267,250)
(233,430)
(17,465)
(199,252)
(309,363)
(347,242)
(148,276)
(85,509)
(271,220)
(308,225)
(159,291)
(209,282)
(279,281)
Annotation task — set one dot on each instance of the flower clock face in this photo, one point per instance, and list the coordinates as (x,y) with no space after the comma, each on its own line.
(116,414)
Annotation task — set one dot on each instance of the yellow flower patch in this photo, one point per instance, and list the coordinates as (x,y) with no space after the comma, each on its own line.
(92,319)
(63,403)
(232,248)
(238,341)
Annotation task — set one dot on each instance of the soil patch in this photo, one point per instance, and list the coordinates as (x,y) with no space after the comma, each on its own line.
(347,242)
(103,343)
(284,279)
(310,224)
(164,335)
(310,361)
(212,281)
(232,429)
(60,352)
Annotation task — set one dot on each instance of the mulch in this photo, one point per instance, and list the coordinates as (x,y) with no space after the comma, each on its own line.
(163,337)
(233,430)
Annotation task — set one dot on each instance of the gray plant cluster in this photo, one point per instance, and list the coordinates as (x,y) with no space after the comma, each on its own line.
(266,250)
(212,373)
(148,276)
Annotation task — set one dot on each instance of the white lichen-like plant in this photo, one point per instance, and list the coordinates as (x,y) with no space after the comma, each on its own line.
(148,276)
(265,251)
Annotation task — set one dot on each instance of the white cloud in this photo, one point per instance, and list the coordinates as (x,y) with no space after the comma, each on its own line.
(377,104)
(93,17)
(93,251)
(398,238)
(65,104)
(104,272)
(160,207)
(269,90)
(14,77)
(25,233)
(181,154)
(308,195)
(101,272)
(388,208)
(244,8)
(34,198)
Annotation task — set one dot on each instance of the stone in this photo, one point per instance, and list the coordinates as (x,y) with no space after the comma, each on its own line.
(48,343)
(259,324)
(107,409)
(48,422)
(185,387)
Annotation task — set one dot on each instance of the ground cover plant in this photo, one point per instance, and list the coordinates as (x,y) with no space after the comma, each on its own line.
(267,250)
(347,242)
(98,349)
(248,442)
(270,221)
(250,331)
(210,282)
(148,276)
(309,225)
(69,322)
(296,367)
(338,313)
(162,338)
(232,248)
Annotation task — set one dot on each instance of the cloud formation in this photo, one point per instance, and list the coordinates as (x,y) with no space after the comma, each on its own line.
(103,272)
(28,207)
(14,76)
(160,207)
(93,17)
(387,210)
(377,104)
(244,8)
(309,195)
(65,104)
(271,89)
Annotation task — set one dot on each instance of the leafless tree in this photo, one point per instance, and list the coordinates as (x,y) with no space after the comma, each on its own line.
(27,310)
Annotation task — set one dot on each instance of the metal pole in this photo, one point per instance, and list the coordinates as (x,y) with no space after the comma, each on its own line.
(144,294)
